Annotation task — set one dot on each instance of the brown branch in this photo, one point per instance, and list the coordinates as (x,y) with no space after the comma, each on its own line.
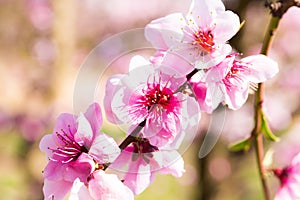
(279,7)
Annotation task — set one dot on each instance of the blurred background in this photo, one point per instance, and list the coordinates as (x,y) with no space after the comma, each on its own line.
(43,43)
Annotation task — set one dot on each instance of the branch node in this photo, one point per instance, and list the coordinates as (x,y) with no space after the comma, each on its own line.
(279,7)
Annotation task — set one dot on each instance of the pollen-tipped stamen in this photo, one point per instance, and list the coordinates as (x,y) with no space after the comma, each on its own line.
(69,151)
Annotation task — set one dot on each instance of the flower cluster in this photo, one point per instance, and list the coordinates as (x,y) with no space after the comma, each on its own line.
(160,101)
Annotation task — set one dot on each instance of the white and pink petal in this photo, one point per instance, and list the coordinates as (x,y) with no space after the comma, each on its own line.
(261,67)
(138,176)
(94,115)
(56,189)
(85,134)
(79,191)
(113,84)
(104,149)
(166,32)
(237,95)
(226,25)
(108,187)
(170,162)
(204,11)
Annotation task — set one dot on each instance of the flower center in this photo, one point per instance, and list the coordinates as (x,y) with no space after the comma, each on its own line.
(282,174)
(154,95)
(205,39)
(143,148)
(153,98)
(234,77)
(69,150)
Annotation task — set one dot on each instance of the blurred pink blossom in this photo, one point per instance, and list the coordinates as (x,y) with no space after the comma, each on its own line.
(283,152)
(286,34)
(40,14)
(44,50)
(278,109)
(290,180)
(238,124)
(31,128)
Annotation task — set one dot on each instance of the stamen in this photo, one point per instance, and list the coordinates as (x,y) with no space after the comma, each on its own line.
(204,39)
(154,99)
(69,150)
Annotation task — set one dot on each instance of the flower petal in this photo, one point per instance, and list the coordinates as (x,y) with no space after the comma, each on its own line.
(56,189)
(104,149)
(120,106)
(166,32)
(138,61)
(94,116)
(203,11)
(296,161)
(79,191)
(107,186)
(65,124)
(219,72)
(122,161)
(237,95)
(170,162)
(172,60)
(138,176)
(284,193)
(262,68)
(226,25)
(217,56)
(85,133)
(81,168)
(46,144)
(54,171)
(214,95)
(199,90)
(113,84)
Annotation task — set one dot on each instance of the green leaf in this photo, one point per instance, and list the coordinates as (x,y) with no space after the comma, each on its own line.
(265,129)
(243,145)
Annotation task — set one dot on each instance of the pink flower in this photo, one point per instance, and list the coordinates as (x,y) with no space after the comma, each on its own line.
(141,161)
(149,93)
(75,150)
(199,36)
(290,180)
(101,186)
(230,80)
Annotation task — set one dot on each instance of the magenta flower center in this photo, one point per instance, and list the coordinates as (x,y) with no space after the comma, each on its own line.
(282,174)
(155,95)
(205,39)
(69,150)
(235,77)
(143,148)
(154,98)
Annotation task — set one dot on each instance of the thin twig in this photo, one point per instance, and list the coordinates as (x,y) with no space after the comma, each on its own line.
(258,107)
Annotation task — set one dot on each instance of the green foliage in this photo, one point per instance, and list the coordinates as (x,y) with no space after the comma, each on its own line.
(242,145)
(265,129)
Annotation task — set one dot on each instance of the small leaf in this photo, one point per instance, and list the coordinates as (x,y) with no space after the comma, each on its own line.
(243,145)
(267,131)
